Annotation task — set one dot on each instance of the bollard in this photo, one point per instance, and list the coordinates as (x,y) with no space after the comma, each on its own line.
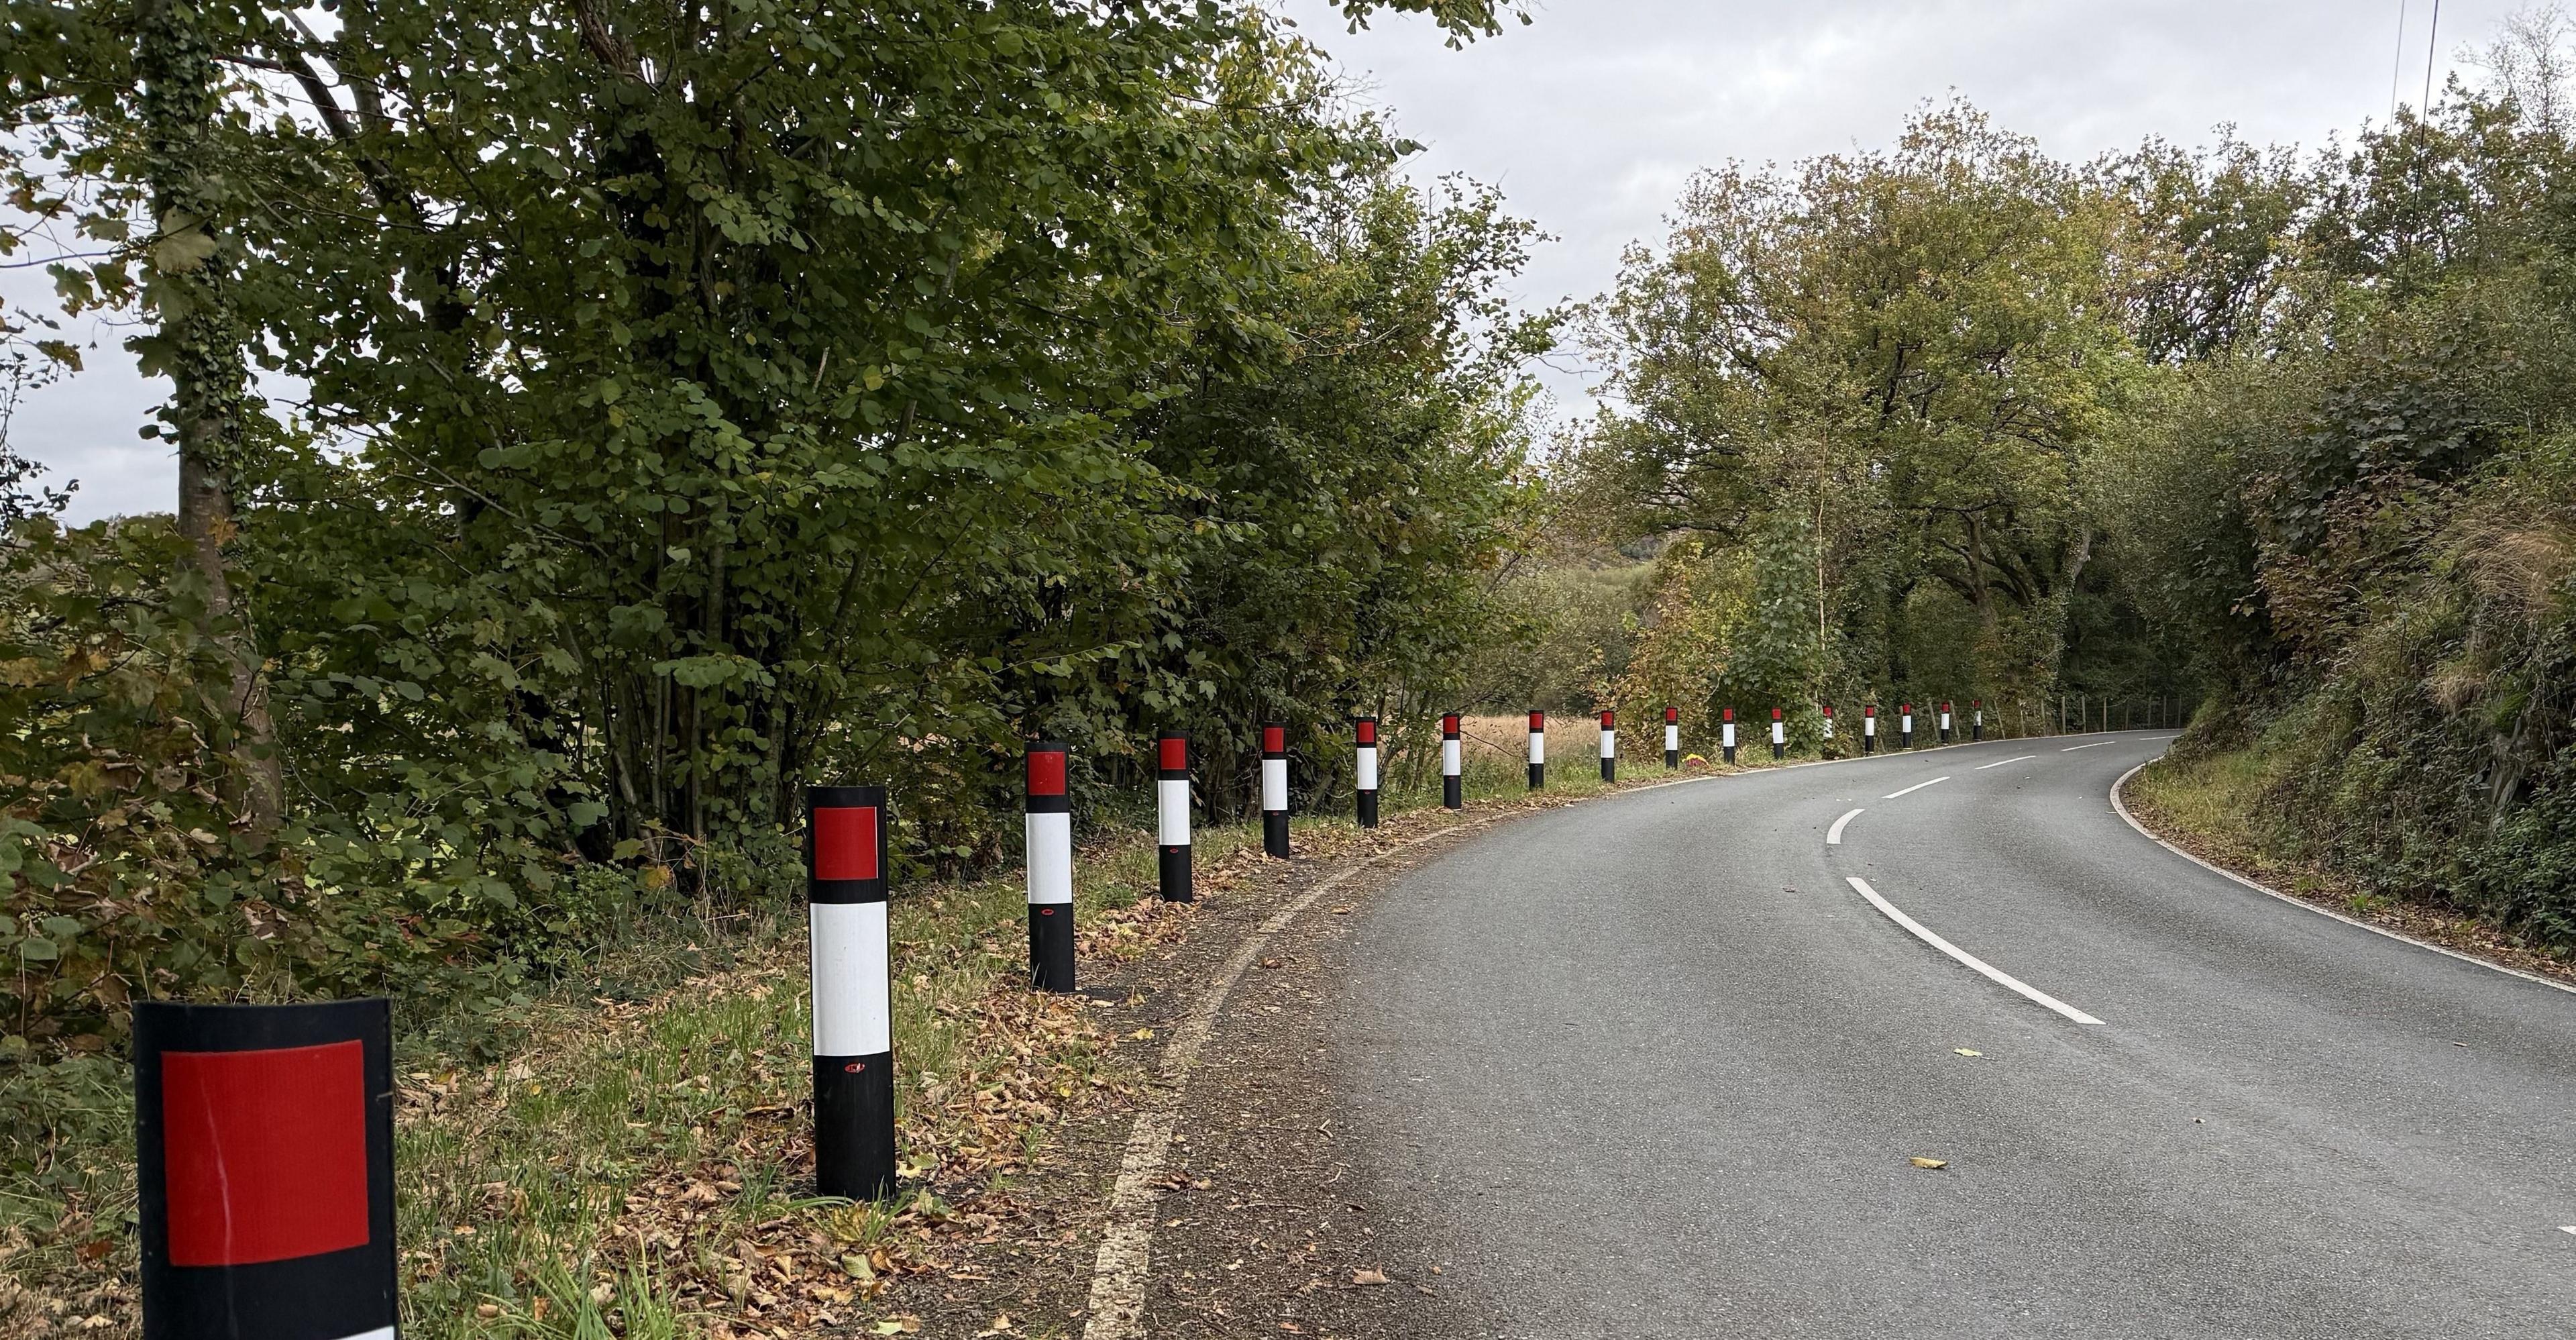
(1453,786)
(1538,749)
(845,908)
(1905,724)
(1274,791)
(1779,737)
(1829,732)
(264,1169)
(1977,719)
(1869,730)
(1367,775)
(1726,734)
(1945,721)
(1172,815)
(1050,836)
(1672,738)
(1609,747)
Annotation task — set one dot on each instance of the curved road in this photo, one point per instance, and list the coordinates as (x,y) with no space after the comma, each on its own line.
(1653,1066)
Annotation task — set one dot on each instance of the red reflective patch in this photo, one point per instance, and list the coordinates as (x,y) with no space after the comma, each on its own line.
(1605,721)
(1046,911)
(1538,721)
(1274,739)
(1368,732)
(1046,773)
(845,842)
(854,1067)
(264,1153)
(1449,723)
(1176,754)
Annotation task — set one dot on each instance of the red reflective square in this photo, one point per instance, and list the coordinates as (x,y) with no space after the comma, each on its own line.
(1176,754)
(264,1153)
(845,843)
(1046,772)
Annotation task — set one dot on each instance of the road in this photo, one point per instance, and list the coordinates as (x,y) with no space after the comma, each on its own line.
(1653,1066)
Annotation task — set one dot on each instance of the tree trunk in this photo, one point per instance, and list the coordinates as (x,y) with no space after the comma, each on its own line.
(200,347)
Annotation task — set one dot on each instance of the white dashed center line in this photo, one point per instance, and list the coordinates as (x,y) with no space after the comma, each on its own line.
(2023,759)
(1991,973)
(1914,788)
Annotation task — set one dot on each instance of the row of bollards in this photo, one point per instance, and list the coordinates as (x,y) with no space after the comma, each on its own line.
(265,1132)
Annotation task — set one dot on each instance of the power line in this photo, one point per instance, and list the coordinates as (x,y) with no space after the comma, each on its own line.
(2397,67)
(2432,44)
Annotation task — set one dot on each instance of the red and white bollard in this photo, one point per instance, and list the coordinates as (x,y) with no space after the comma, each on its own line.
(264,1169)
(1172,816)
(1367,774)
(1869,730)
(1726,734)
(1609,748)
(1672,738)
(1050,837)
(1945,721)
(1779,736)
(845,905)
(1905,720)
(1274,791)
(1538,749)
(1977,719)
(1453,779)
(1829,732)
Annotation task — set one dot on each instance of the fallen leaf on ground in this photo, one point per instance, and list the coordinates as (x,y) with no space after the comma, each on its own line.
(1370,1277)
(1929,1163)
(1343,911)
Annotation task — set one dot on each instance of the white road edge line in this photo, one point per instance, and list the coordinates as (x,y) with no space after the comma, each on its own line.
(1834,835)
(2023,759)
(1916,787)
(1119,1271)
(2399,936)
(1992,973)
(2095,745)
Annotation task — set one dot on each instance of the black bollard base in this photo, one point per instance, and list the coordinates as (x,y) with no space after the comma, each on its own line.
(1537,776)
(1609,769)
(1176,875)
(1368,809)
(1051,947)
(854,1126)
(1672,759)
(1729,752)
(1779,753)
(1453,793)
(1274,834)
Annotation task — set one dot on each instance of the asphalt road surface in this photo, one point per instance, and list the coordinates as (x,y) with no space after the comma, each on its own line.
(1653,1066)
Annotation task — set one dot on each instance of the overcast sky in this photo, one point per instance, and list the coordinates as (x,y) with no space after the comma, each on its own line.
(1591,119)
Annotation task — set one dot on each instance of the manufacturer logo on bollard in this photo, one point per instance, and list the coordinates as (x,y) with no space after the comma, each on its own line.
(854,1067)
(1046,911)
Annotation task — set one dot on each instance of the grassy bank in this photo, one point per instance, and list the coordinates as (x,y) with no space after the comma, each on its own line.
(634,1162)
